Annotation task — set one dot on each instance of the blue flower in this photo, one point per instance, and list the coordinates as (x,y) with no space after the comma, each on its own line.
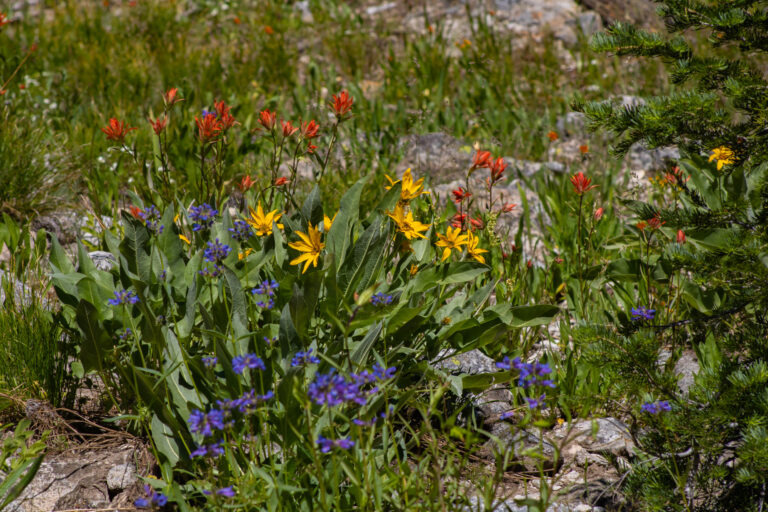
(212,450)
(205,424)
(242,231)
(210,361)
(249,400)
(214,271)
(642,312)
(266,288)
(252,361)
(123,297)
(506,415)
(266,305)
(203,216)
(216,251)
(533,403)
(326,445)
(227,492)
(151,217)
(380,299)
(126,334)
(303,358)
(381,373)
(153,499)
(656,407)
(530,373)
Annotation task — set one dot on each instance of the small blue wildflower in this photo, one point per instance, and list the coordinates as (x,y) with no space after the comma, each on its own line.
(270,341)
(506,415)
(214,271)
(227,492)
(205,424)
(202,216)
(210,361)
(151,217)
(209,113)
(327,444)
(216,251)
(249,401)
(252,361)
(126,334)
(533,403)
(212,450)
(266,288)
(381,373)
(153,499)
(242,231)
(304,358)
(123,297)
(163,275)
(641,312)
(530,373)
(266,305)
(656,407)
(380,299)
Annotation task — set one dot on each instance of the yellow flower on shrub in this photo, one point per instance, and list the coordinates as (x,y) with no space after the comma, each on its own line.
(451,240)
(723,155)
(410,189)
(328,222)
(309,247)
(472,248)
(244,254)
(406,224)
(261,222)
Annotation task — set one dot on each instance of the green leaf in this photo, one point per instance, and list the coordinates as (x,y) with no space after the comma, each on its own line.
(96,341)
(135,249)
(340,235)
(165,441)
(312,209)
(17,480)
(359,270)
(361,352)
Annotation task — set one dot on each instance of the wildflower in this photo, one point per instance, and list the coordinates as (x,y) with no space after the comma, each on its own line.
(135,211)
(380,299)
(4,19)
(460,194)
(202,216)
(641,312)
(225,117)
(252,361)
(473,250)
(246,183)
(208,127)
(309,129)
(680,236)
(211,450)
(153,499)
(413,270)
(304,358)
(655,222)
(327,444)
(279,182)
(158,125)
(581,183)
(508,207)
(214,271)
(126,334)
(116,130)
(310,247)
(342,104)
(598,214)
(170,96)
(216,251)
(151,217)
(227,492)
(210,361)
(249,401)
(266,288)
(481,159)
(288,128)
(552,136)
(458,220)
(205,424)
(242,231)
(406,224)
(328,222)
(656,407)
(268,30)
(497,169)
(533,403)
(452,240)
(332,389)
(583,149)
(262,222)
(381,373)
(184,239)
(723,155)
(530,373)
(642,225)
(410,189)
(268,119)
(475,223)
(123,297)
(242,255)
(506,415)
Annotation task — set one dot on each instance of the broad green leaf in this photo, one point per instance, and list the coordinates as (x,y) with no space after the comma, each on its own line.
(359,269)
(312,209)
(340,235)
(165,441)
(361,352)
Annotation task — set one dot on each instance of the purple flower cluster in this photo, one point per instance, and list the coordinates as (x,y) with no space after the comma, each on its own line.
(205,424)
(227,492)
(242,231)
(214,271)
(202,216)
(530,373)
(126,334)
(252,361)
(210,361)
(123,297)
(151,217)
(153,500)
(371,422)
(212,450)
(534,403)
(304,358)
(641,312)
(216,251)
(326,445)
(266,288)
(380,299)
(656,407)
(247,403)
(332,389)
(221,418)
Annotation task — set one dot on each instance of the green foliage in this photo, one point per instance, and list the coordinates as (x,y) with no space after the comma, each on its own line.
(20,458)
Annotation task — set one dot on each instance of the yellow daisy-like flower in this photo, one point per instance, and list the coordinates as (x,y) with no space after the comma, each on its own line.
(184,239)
(472,248)
(452,239)
(413,270)
(406,224)
(244,254)
(723,155)
(410,189)
(309,247)
(328,222)
(262,222)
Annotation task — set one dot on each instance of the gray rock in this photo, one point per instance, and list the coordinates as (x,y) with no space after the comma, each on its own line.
(687,367)
(64,225)
(103,260)
(612,436)
(121,477)
(22,294)
(643,159)
(440,156)
(589,23)
(571,124)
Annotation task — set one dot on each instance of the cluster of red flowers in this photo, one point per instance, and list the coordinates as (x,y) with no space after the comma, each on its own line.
(4,19)
(116,130)
(342,104)
(460,221)
(581,184)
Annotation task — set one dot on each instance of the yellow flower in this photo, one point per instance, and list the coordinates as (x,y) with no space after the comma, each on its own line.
(185,239)
(263,223)
(452,239)
(405,223)
(243,255)
(328,222)
(310,247)
(472,248)
(723,155)
(413,270)
(410,189)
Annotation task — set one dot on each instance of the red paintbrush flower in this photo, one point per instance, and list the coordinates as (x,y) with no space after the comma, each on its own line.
(342,104)
(311,148)
(655,222)
(246,183)
(116,130)
(288,128)
(598,214)
(481,159)
(680,236)
(4,19)
(170,96)
(309,129)
(279,182)
(581,183)
(226,119)
(476,223)
(497,169)
(268,119)
(508,207)
(642,225)
(552,136)
(208,127)
(158,125)
(135,211)
(460,194)
(458,220)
